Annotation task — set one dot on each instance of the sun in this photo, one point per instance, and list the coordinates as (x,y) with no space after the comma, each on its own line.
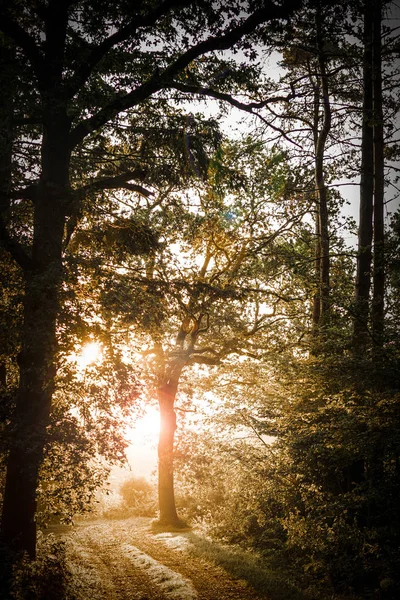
(91,353)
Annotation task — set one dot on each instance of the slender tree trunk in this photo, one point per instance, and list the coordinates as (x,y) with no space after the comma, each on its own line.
(379,240)
(316,315)
(363,275)
(321,98)
(321,189)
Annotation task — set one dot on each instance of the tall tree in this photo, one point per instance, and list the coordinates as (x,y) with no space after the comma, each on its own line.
(379,183)
(372,188)
(208,292)
(306,114)
(364,257)
(85,68)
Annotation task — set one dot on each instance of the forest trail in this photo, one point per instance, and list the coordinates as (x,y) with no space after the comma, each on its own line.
(126,560)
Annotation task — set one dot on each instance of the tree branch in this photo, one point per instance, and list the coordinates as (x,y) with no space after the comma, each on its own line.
(26,193)
(250,107)
(116,182)
(15,249)
(159,81)
(98,52)
(207,349)
(203,360)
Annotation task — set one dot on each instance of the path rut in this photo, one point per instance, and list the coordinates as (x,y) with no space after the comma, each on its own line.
(125,560)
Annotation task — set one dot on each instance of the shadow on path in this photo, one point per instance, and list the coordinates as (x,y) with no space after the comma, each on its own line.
(240,564)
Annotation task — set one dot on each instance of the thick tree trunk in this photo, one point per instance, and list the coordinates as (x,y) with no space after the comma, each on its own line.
(37,360)
(37,372)
(379,240)
(31,415)
(363,275)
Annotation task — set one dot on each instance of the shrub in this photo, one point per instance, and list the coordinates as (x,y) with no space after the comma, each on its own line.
(45,578)
(138,495)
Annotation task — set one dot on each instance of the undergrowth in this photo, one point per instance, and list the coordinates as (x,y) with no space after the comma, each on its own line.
(45,578)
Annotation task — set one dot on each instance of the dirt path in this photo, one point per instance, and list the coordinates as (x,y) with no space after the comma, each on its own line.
(125,560)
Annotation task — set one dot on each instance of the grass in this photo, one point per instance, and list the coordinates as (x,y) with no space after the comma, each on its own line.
(267,579)
(158,526)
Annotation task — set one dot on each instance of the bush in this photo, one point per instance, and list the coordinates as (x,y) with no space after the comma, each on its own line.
(139,496)
(45,578)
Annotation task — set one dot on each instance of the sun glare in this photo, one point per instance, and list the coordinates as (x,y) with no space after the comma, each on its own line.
(91,352)
(146,428)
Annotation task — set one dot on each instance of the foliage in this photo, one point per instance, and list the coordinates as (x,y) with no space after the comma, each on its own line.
(139,496)
(47,577)
(322,494)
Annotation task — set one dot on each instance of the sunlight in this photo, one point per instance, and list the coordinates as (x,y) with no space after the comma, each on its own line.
(91,353)
(146,429)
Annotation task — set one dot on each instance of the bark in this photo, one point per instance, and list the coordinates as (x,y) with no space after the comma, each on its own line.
(37,371)
(170,370)
(363,275)
(39,346)
(42,281)
(320,178)
(321,305)
(166,495)
(166,399)
(379,240)
(316,314)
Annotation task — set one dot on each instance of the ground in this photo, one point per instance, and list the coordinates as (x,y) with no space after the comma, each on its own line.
(126,559)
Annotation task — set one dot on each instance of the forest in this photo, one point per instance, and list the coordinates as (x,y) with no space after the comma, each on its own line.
(206,193)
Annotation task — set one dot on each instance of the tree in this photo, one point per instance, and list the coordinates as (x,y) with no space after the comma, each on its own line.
(304,111)
(376,143)
(207,292)
(78,78)
(363,276)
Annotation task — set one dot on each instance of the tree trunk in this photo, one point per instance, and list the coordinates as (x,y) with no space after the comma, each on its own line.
(166,495)
(363,275)
(37,361)
(322,193)
(166,399)
(379,240)
(321,98)
(31,415)
(316,315)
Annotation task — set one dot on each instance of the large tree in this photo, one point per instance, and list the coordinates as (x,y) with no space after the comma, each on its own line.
(207,290)
(82,70)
